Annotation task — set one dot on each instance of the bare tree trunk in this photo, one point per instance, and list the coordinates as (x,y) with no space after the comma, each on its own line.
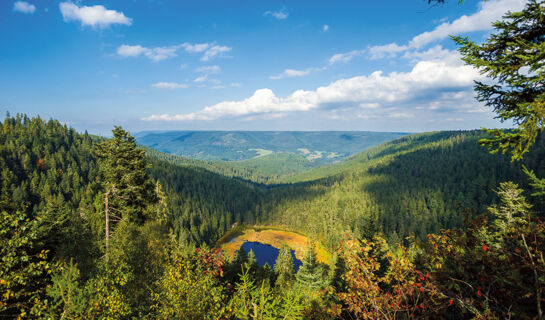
(107,218)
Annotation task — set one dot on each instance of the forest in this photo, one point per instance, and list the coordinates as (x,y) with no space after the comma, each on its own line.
(439,225)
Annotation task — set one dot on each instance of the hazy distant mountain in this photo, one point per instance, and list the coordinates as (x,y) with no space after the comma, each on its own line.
(316,146)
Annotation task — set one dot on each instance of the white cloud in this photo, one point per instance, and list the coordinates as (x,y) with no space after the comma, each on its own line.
(131,51)
(435,52)
(345,57)
(280,14)
(195,48)
(201,78)
(210,50)
(325,28)
(375,91)
(94,16)
(209,69)
(169,85)
(489,12)
(24,7)
(154,54)
(215,51)
(235,84)
(289,73)
(388,50)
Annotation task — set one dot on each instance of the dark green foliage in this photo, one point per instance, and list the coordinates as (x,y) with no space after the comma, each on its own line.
(336,269)
(43,161)
(203,205)
(514,58)
(411,186)
(414,185)
(284,267)
(124,177)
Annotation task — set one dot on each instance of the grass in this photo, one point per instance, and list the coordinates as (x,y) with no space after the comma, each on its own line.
(272,236)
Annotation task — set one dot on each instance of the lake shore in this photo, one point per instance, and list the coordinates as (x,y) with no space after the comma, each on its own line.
(275,237)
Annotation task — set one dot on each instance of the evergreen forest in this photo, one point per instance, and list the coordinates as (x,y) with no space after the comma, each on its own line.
(436,225)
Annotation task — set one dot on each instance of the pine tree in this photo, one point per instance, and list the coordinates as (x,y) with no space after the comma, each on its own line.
(284,267)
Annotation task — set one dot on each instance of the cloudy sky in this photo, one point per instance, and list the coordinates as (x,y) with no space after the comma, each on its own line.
(384,65)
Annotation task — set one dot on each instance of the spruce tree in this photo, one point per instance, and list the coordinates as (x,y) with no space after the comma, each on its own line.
(128,189)
(312,274)
(514,59)
(122,167)
(284,267)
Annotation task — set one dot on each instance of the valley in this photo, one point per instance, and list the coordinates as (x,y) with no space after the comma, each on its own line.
(258,160)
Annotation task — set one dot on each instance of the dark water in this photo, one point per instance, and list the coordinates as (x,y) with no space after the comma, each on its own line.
(267,254)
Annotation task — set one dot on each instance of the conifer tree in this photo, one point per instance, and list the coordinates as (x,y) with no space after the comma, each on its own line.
(284,267)
(312,274)
(128,189)
(336,270)
(514,59)
(123,174)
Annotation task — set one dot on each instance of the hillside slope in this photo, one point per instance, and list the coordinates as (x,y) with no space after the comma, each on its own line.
(318,147)
(413,185)
(266,169)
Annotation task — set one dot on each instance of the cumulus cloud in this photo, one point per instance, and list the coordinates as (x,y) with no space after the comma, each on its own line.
(281,14)
(325,28)
(289,73)
(94,16)
(24,7)
(210,50)
(169,85)
(374,91)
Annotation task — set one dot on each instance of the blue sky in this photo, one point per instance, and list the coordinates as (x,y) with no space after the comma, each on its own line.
(244,65)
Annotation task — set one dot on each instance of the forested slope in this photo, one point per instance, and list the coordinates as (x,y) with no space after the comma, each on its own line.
(413,185)
(49,170)
(53,195)
(267,169)
(203,204)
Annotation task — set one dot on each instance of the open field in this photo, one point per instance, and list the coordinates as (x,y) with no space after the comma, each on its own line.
(275,237)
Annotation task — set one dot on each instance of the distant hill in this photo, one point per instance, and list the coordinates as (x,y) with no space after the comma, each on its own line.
(317,147)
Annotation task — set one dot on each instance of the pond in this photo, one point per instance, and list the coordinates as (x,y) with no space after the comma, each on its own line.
(265,253)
